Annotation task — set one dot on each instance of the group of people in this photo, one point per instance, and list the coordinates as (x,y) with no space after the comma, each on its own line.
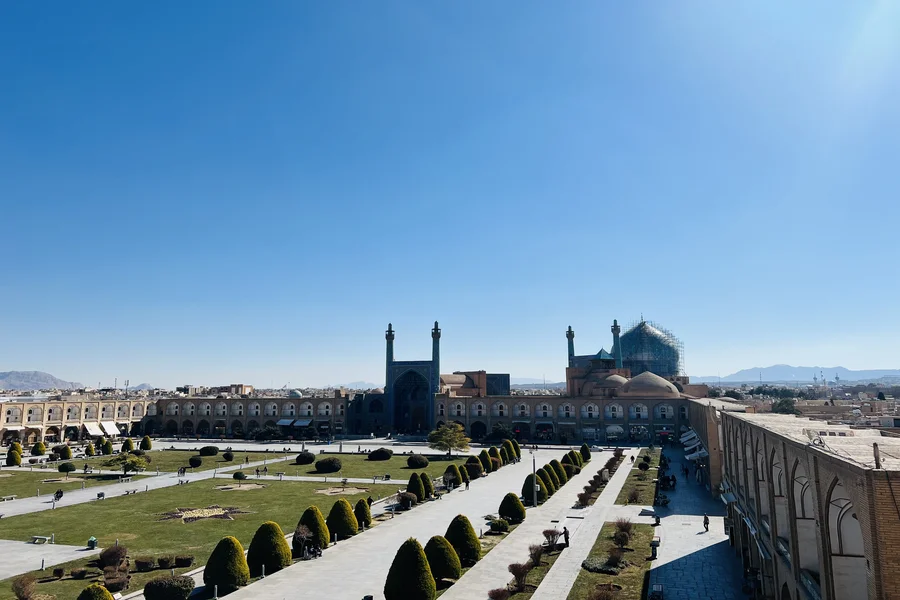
(265,471)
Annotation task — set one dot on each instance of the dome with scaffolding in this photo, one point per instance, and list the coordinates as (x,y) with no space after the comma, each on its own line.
(648,347)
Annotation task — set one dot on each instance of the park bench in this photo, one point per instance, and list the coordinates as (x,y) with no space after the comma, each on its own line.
(385,477)
(101,496)
(40,539)
(8,498)
(124,479)
(88,470)
(182,481)
(130,492)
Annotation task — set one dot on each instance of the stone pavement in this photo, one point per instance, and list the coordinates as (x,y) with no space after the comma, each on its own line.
(491,572)
(559,579)
(359,566)
(22,557)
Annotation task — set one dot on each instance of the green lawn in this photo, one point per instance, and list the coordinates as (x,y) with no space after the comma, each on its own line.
(631,578)
(25,484)
(136,522)
(645,487)
(356,465)
(169,461)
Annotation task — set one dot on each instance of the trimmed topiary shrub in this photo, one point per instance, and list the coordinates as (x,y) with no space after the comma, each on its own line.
(415,486)
(268,549)
(23,587)
(195,461)
(407,500)
(363,513)
(209,451)
(169,588)
(495,464)
(165,561)
(462,537)
(305,458)
(504,456)
(528,490)
(239,475)
(341,520)
(485,460)
(227,567)
(381,454)
(95,591)
(63,451)
(146,444)
(560,472)
(13,459)
(39,449)
(464,473)
(427,484)
(548,469)
(16,447)
(89,450)
(107,448)
(510,449)
(332,464)
(545,479)
(313,520)
(78,573)
(452,476)
(144,563)
(127,445)
(66,468)
(409,577)
(499,525)
(113,556)
(416,461)
(473,471)
(571,470)
(442,558)
(585,453)
(228,455)
(493,452)
(517,448)
(511,508)
(184,560)
(576,459)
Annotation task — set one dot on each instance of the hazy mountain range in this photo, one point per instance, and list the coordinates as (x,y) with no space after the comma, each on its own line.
(34,380)
(787,373)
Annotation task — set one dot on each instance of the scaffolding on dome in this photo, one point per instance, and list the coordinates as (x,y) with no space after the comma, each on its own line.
(647,346)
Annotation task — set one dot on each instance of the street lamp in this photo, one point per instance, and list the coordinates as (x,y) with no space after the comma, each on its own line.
(534,479)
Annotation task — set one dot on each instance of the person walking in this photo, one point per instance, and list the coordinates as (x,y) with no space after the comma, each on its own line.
(257,472)
(566,536)
(706,522)
(467,485)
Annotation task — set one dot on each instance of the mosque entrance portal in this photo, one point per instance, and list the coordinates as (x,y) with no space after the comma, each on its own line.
(410,401)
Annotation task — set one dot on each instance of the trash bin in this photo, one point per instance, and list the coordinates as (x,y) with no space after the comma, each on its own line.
(92,543)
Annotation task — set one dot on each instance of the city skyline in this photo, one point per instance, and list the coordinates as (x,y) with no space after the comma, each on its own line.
(206,195)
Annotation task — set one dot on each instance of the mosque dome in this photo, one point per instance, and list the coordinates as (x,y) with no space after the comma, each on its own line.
(649,347)
(613,381)
(649,385)
(295,394)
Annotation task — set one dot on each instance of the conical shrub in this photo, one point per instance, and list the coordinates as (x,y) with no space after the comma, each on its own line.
(548,469)
(575,458)
(89,449)
(127,445)
(415,486)
(409,577)
(442,558)
(485,460)
(363,513)
(146,444)
(560,472)
(585,453)
(462,537)
(545,479)
(95,591)
(452,475)
(493,452)
(426,483)
(528,490)
(504,456)
(315,522)
(464,472)
(341,520)
(517,448)
(268,548)
(511,508)
(13,458)
(227,567)
(510,449)
(39,449)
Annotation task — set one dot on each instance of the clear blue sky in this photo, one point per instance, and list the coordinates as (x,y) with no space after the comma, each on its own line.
(214,192)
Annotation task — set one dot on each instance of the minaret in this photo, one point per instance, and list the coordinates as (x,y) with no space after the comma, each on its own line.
(617,347)
(570,335)
(389,359)
(436,359)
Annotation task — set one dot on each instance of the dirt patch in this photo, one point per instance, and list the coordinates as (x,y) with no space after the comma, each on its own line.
(240,488)
(5,475)
(337,491)
(58,480)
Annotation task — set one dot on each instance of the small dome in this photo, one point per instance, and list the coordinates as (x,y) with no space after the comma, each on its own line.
(295,394)
(649,385)
(613,381)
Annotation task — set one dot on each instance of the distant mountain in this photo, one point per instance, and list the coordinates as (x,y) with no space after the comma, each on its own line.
(33,380)
(787,373)
(143,386)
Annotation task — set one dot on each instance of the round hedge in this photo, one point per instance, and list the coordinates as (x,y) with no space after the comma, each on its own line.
(554,478)
(195,461)
(16,447)
(416,461)
(13,459)
(331,464)
(146,444)
(511,508)
(415,486)
(305,458)
(66,468)
(228,456)
(462,537)
(363,513)
(169,588)
(442,558)
(381,454)
(227,567)
(127,445)
(209,450)
(315,522)
(452,476)
(585,453)
(341,520)
(64,452)
(39,449)
(268,548)
(528,490)
(560,472)
(474,471)
(95,591)
(485,459)
(409,577)
(499,525)
(427,484)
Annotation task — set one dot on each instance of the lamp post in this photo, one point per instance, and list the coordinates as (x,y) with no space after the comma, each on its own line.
(534,480)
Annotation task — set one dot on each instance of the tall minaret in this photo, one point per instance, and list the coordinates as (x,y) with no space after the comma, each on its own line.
(570,335)
(436,359)
(389,359)
(616,330)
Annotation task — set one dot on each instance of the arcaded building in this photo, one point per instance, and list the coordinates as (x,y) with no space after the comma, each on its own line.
(813,508)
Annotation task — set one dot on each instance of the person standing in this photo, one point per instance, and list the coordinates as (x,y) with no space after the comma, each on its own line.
(467,485)
(706,522)
(566,536)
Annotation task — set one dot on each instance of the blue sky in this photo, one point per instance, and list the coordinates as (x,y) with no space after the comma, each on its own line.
(214,192)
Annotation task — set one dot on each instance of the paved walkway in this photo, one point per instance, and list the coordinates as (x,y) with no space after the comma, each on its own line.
(558,581)
(22,557)
(359,566)
(491,572)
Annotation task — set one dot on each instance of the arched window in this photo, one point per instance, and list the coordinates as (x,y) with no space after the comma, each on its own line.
(288,409)
(501,410)
(151,409)
(843,526)
(637,411)
(107,411)
(221,409)
(440,409)
(71,413)
(137,410)
(325,409)
(122,411)
(271,409)
(90,412)
(341,409)
(459,409)
(683,412)
(777,476)
(188,409)
(545,410)
(589,411)
(307,409)
(254,409)
(172,409)
(614,411)
(35,414)
(205,408)
(478,409)
(237,409)
(13,415)
(803,501)
(665,411)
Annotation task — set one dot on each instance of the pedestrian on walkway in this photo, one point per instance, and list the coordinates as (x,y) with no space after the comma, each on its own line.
(566,536)
(467,485)
(257,472)
(706,522)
